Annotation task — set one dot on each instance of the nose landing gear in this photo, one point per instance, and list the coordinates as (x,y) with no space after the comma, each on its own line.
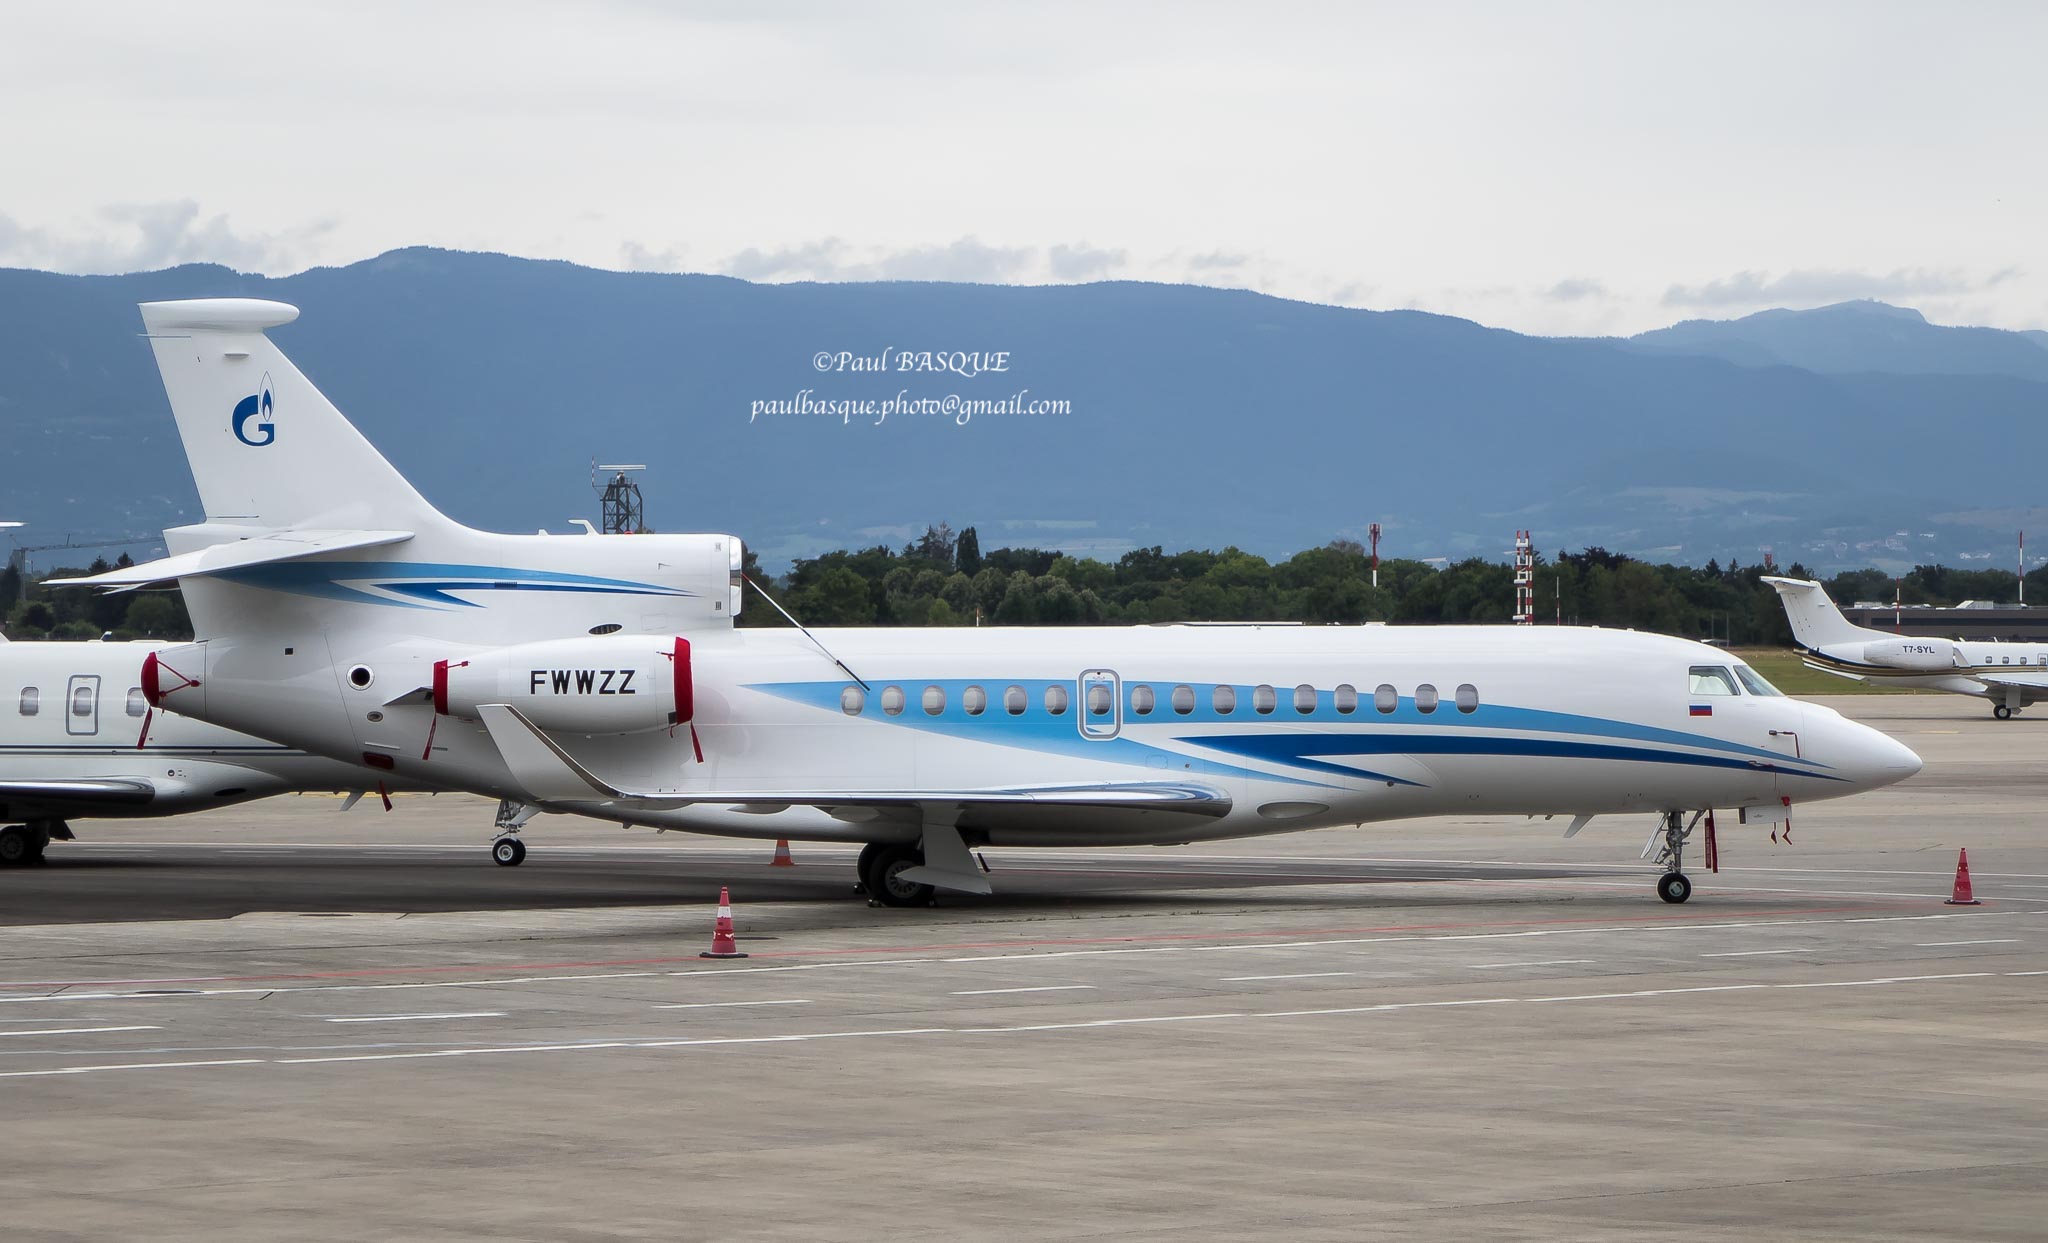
(1674,886)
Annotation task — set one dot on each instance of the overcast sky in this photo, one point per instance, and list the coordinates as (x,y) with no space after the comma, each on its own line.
(1555,168)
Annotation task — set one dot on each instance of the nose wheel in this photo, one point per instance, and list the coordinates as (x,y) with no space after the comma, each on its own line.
(1674,886)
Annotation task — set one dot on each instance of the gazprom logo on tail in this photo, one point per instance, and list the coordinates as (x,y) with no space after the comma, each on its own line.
(255,409)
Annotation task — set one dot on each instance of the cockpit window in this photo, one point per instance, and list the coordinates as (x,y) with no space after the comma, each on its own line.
(1712,680)
(1754,682)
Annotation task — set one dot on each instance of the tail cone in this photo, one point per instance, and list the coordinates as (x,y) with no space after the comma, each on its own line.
(722,943)
(1962,896)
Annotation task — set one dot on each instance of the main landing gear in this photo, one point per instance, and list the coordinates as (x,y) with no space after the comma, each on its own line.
(2002,712)
(881,867)
(22,844)
(1674,886)
(507,851)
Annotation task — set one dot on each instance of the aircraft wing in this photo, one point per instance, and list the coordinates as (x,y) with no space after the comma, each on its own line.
(236,555)
(551,774)
(88,791)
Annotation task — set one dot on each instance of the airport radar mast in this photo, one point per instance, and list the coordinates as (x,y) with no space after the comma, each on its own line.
(619,499)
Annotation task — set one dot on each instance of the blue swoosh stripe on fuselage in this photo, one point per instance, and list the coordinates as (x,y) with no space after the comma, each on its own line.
(1296,748)
(429,582)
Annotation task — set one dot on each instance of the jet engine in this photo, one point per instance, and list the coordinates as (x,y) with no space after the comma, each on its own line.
(1923,655)
(613,684)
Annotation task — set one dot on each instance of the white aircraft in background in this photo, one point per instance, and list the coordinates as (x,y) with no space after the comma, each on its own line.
(2010,675)
(601,675)
(73,747)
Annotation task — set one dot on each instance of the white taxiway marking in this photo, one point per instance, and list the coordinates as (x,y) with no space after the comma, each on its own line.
(1751,953)
(410,1018)
(720,1005)
(1989,941)
(77,1031)
(1300,975)
(1043,988)
(802,1037)
(1547,962)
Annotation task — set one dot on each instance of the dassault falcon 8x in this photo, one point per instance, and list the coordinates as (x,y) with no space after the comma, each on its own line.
(340,613)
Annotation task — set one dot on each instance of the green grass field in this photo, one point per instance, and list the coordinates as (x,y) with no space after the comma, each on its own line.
(1782,666)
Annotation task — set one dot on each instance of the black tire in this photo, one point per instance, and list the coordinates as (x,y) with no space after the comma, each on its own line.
(882,882)
(2002,712)
(865,865)
(17,846)
(1673,887)
(508,852)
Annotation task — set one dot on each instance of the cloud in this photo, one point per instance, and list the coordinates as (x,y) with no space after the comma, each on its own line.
(1081,261)
(1218,259)
(635,257)
(963,259)
(1817,285)
(1575,288)
(143,237)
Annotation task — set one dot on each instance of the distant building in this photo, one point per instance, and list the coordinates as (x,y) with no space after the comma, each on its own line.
(1976,619)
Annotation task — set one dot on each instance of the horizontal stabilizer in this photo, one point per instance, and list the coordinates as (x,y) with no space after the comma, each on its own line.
(238,555)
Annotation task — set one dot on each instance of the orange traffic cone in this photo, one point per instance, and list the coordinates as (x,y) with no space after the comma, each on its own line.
(1962,896)
(722,943)
(782,859)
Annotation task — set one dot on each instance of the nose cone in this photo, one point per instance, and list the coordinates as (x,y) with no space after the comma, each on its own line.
(1868,759)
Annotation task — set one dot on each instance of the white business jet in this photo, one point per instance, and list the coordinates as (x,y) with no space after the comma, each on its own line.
(78,741)
(601,675)
(2010,675)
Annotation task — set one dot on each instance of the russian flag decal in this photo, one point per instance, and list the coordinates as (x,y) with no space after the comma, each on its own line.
(1703,709)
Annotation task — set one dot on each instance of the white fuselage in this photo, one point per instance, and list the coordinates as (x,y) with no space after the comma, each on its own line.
(1526,720)
(73,712)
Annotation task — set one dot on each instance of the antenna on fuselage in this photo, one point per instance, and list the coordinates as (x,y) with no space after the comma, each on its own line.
(807,634)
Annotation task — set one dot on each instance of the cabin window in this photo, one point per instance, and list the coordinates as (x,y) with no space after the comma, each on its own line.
(1056,700)
(1142,700)
(31,700)
(1263,699)
(852,700)
(934,700)
(137,703)
(975,700)
(1304,699)
(1754,682)
(1712,680)
(1346,698)
(1386,698)
(1183,700)
(1013,700)
(1224,700)
(1098,699)
(1468,698)
(892,700)
(81,701)
(1425,698)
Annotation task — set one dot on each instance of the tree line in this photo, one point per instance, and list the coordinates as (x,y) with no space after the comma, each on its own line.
(943,578)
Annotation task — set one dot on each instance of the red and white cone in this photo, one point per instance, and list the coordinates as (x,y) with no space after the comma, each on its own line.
(1962,895)
(722,943)
(782,859)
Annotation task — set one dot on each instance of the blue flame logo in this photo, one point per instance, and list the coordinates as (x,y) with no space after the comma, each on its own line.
(256,406)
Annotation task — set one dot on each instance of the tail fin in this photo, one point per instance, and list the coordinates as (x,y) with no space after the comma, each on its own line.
(266,449)
(1816,622)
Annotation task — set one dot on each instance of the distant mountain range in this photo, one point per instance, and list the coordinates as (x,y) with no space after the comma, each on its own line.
(1197,416)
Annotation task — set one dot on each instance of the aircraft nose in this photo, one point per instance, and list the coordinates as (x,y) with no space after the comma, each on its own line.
(1870,758)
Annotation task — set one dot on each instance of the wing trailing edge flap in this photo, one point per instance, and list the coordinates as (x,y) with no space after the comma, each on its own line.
(549,774)
(239,554)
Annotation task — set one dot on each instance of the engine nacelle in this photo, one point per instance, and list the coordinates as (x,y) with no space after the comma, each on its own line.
(613,684)
(1921,655)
